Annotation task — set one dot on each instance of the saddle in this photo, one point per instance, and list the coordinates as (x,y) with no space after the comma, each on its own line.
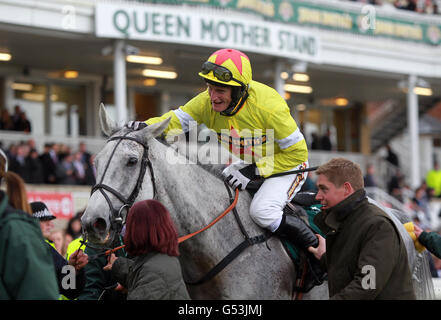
(305,207)
(308,270)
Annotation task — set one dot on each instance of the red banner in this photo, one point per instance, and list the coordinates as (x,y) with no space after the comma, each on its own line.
(59,204)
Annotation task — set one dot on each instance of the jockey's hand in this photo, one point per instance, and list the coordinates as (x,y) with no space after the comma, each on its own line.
(239,174)
(136,125)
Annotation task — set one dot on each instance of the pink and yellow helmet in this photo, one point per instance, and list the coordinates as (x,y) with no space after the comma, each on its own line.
(228,67)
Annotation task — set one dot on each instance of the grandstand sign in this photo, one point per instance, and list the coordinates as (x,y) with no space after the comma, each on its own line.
(334,16)
(205,28)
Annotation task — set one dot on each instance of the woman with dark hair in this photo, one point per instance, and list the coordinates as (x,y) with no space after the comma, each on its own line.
(154,272)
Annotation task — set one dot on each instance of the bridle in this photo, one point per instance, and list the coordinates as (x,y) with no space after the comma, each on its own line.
(117,217)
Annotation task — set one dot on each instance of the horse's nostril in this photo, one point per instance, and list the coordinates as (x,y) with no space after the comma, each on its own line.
(100,225)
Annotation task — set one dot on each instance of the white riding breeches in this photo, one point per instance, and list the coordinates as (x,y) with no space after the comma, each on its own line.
(267,205)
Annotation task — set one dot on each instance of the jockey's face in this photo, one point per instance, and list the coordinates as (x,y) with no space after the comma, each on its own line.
(220,97)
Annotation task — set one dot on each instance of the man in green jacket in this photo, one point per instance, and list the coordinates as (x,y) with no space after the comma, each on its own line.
(26,268)
(430,239)
(363,253)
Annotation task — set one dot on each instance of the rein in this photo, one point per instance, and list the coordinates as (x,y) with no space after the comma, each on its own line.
(188,236)
(118,220)
(231,207)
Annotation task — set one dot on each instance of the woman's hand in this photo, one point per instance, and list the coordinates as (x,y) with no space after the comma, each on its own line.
(110,260)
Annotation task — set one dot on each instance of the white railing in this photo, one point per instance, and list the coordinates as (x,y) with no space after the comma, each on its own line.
(387,200)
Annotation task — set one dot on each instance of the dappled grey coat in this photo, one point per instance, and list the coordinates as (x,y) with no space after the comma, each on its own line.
(154,276)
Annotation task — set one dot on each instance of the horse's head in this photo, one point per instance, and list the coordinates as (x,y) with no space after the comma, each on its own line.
(122,166)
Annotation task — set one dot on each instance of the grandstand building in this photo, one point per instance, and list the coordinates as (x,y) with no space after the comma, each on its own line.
(366,73)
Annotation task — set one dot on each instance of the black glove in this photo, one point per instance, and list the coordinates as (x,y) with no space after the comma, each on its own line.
(136,125)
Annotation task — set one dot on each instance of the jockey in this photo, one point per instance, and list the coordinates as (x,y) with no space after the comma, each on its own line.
(254,122)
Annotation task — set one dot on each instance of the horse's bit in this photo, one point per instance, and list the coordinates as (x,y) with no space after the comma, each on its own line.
(118,219)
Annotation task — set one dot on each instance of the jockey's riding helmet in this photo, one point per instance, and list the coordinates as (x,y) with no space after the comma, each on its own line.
(229,67)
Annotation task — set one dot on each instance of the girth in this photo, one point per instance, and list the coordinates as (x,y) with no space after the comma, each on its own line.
(236,251)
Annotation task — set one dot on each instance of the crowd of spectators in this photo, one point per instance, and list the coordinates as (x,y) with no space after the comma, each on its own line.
(18,121)
(57,164)
(421,6)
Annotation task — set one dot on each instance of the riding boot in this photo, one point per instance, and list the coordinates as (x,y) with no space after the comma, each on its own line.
(300,235)
(297,231)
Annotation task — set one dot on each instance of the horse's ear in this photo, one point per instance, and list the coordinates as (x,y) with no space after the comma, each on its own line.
(108,126)
(157,128)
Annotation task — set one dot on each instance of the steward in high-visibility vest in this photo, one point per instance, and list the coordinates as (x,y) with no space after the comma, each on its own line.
(433,180)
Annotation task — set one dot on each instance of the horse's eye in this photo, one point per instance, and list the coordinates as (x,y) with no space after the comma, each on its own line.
(132,161)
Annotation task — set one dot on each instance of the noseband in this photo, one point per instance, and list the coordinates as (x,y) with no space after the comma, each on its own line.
(117,219)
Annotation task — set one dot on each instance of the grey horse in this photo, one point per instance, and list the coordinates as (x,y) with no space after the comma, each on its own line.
(135,160)
(194,198)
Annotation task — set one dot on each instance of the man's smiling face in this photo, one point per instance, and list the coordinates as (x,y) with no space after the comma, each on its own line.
(220,97)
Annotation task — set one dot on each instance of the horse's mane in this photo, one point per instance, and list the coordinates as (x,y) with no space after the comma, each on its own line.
(213,169)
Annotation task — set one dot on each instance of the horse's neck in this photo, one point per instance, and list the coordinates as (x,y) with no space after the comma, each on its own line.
(176,176)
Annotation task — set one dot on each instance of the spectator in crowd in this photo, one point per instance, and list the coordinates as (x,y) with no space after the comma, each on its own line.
(325,141)
(35,168)
(420,205)
(85,155)
(421,6)
(151,239)
(91,172)
(56,236)
(315,141)
(16,116)
(78,260)
(369,178)
(6,121)
(73,229)
(359,234)
(26,271)
(395,185)
(392,157)
(66,171)
(433,179)
(19,164)
(52,166)
(23,123)
(49,161)
(79,168)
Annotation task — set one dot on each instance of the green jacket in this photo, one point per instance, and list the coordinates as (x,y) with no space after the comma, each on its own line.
(365,257)
(154,276)
(97,280)
(26,267)
(432,241)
